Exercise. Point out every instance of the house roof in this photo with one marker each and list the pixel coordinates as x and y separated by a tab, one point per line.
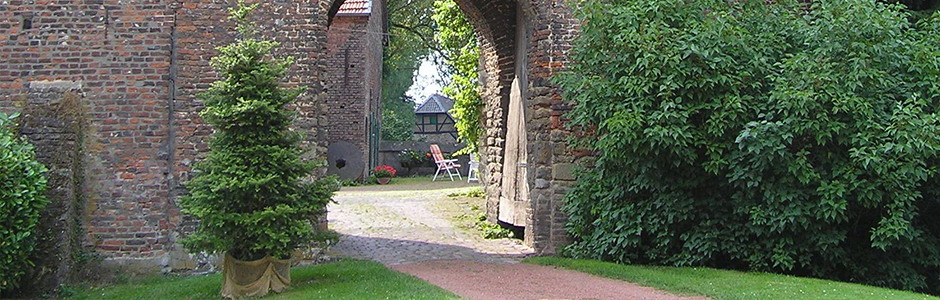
355	8
436	104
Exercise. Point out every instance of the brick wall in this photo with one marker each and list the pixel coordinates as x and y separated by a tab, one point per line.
353	81
119	55
377	29
347	90
551	160
138	66
390	154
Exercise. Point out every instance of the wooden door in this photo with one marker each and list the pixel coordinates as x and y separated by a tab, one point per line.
514	197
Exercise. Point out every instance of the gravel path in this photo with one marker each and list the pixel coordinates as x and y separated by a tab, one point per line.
399	225
411	228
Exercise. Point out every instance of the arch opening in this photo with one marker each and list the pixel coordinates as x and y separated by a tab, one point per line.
509	54
504	29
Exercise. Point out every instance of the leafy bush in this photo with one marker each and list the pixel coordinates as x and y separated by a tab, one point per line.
768	135
490	230
409	43
414	159
398	119
22	199
250	194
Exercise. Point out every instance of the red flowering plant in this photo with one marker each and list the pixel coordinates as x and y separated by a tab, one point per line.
384	172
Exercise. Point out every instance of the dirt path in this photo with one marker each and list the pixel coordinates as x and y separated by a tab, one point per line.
400	224
477	280
411	228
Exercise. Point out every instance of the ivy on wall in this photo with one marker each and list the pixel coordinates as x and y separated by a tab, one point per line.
461	57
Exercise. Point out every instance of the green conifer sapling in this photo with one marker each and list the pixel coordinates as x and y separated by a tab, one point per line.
251	194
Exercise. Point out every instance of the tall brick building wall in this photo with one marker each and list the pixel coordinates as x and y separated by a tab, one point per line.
134	68
353	79
116	58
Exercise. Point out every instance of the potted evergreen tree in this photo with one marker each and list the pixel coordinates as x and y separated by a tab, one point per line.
252	194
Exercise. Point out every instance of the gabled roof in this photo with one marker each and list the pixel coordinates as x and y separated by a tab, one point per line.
436	104
355	8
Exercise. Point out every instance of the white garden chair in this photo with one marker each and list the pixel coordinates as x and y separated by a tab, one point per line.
473	173
448	165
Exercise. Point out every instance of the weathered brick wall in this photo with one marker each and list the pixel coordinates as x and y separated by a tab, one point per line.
353	80
138	65
347	88
375	49
551	160
494	22
119	53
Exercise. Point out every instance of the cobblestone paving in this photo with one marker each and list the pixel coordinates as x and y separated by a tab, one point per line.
403	224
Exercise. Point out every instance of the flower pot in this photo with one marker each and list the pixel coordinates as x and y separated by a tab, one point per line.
243	279
385	180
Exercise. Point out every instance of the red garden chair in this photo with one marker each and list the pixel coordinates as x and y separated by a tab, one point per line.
448	165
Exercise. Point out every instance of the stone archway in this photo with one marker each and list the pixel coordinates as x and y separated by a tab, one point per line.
527	161
527	164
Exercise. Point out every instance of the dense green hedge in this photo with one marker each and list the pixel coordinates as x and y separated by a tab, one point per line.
768	135
22	198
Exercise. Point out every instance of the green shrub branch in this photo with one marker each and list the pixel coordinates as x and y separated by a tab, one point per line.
22	199
772	136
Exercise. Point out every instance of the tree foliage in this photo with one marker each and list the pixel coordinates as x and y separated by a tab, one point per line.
917	5
458	42
772	136
250	193
411	40
22	199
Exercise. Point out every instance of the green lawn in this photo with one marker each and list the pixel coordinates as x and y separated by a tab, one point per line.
416	180
348	279
724	284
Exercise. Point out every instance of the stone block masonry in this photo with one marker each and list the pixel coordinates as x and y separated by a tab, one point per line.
552	30
53	121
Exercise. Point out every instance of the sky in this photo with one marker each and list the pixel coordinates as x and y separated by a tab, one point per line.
427	81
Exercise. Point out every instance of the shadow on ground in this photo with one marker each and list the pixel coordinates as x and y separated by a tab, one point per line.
400	251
